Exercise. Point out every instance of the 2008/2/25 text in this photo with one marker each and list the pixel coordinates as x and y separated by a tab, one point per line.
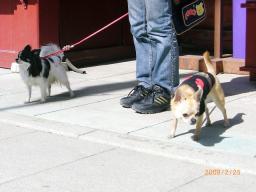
216	172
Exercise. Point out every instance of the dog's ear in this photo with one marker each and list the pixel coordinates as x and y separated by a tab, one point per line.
198	94
27	48
36	51
177	96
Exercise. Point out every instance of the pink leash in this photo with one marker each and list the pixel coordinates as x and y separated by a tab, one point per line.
88	37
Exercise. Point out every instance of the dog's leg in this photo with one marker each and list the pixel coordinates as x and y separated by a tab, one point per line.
63	79
29	93
69	89
49	90
43	90
173	128
199	124
220	103
208	120
219	100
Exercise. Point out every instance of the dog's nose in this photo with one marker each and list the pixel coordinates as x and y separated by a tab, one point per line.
193	121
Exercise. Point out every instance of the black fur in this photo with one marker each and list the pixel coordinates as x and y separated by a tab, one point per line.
36	66
47	67
36	63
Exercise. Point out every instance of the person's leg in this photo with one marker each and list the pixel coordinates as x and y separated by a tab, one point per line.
163	57
137	18
162	35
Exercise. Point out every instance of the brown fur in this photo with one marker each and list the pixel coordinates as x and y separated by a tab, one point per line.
186	102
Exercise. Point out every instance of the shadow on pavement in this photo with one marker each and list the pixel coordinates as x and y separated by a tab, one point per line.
83	92
211	135
238	85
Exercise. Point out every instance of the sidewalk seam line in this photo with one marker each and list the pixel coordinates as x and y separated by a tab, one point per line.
73	107
57	166
19	135
184	184
87	133
149	126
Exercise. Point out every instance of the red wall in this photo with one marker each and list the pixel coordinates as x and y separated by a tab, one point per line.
35	25
17	28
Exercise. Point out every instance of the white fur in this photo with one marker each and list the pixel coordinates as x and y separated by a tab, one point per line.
57	73
15	67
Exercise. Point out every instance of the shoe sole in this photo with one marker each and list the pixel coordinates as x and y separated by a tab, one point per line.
125	106
150	111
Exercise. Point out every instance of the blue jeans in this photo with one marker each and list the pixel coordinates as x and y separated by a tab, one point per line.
157	55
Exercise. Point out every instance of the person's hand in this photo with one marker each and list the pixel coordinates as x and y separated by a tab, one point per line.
67	47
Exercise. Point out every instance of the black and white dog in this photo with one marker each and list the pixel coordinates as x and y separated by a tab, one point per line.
35	70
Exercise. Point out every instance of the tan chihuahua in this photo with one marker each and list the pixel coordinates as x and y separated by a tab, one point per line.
192	95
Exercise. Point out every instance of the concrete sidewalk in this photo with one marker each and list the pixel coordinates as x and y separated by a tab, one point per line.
95	118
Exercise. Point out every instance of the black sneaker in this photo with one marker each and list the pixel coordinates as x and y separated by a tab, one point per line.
135	95
157	101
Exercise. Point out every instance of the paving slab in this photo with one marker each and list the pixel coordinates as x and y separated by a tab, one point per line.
5	71
184	151
108	115
223	183
90	93
8	131
31	153
116	170
177	150
124	170
38	124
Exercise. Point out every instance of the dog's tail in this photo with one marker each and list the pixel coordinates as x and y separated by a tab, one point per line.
208	63
72	67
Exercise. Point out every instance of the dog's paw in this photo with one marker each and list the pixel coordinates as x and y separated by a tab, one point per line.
72	94
208	124
195	137
42	101
226	124
170	136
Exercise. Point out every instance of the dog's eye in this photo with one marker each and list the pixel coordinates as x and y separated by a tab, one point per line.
197	114
185	115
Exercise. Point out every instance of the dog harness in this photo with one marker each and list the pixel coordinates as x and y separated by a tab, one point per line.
205	81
